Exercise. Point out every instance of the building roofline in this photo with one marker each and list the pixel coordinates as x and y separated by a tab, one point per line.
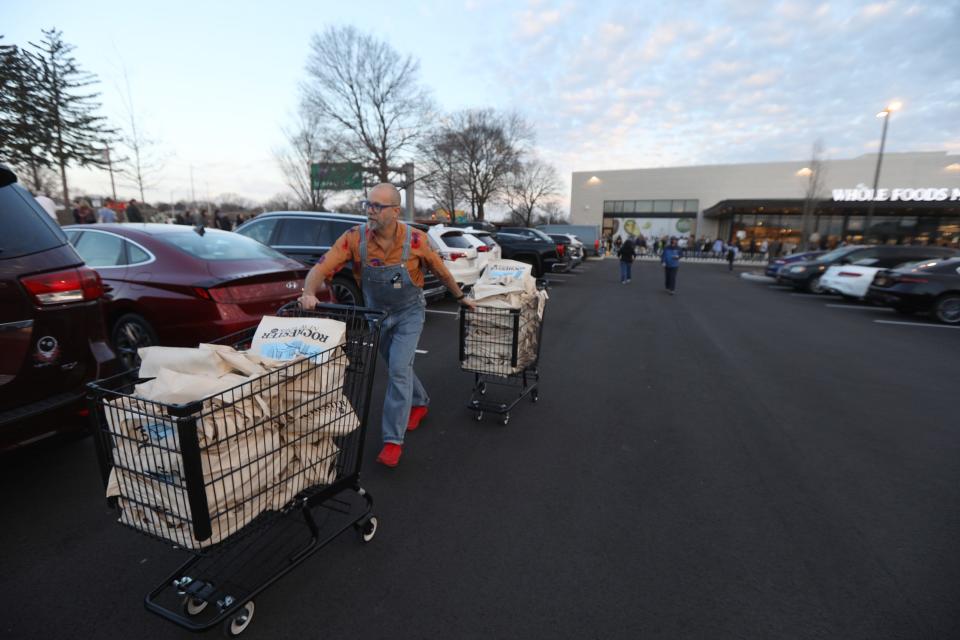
886	155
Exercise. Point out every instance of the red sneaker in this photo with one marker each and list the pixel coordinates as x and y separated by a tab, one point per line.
416	415
390	454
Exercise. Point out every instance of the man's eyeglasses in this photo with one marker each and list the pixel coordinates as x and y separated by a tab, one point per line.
376	206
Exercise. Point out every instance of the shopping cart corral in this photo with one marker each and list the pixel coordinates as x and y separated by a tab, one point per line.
250	481
501	347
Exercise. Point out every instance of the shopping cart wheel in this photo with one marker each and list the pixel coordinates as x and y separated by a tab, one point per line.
479	416
193	606
505	419
239	623
483	388
367	528
535	396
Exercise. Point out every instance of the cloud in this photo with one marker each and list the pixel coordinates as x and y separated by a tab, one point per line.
877	9
761	78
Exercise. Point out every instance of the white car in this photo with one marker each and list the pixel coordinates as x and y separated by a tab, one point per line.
458	253
487	247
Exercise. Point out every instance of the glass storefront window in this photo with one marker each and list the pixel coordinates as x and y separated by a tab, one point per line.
608	206
662	206
628	206
691	206
618	206
677	206
644	206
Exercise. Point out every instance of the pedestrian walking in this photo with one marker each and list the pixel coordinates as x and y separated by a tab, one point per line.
617	244
105	214
765	249
732	251
626	254
388	259
133	212
718	247
671	264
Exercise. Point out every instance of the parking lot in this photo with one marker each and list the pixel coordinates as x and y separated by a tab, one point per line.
735	461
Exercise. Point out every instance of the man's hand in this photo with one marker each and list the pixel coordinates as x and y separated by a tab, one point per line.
470	303
308	301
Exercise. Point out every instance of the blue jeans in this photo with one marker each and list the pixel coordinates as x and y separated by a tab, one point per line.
399	336
624	271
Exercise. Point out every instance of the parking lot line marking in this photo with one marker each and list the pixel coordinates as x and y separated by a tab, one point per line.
449	313
421	351
854	306
917	324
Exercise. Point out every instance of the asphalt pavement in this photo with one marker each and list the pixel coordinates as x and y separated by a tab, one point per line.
730	462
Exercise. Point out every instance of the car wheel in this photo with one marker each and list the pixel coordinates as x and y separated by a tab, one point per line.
130	333
814	286
947	309
347	292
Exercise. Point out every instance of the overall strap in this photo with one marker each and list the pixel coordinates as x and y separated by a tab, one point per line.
406	246
363	245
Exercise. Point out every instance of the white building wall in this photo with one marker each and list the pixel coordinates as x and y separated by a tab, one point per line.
709	184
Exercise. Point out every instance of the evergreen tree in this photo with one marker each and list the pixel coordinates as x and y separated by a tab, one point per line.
24	140
77	134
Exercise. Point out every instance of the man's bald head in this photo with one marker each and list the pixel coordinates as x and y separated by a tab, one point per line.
385	193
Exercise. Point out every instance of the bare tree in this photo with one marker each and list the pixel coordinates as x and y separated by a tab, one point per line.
488	148
553	213
306	144
141	164
530	186
367	96
813	192
438	161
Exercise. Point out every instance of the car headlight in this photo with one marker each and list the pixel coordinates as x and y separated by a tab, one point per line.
798	269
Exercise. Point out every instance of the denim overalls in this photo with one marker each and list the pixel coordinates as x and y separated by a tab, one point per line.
390	289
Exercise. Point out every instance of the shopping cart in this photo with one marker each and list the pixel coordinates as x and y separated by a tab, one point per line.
501	347
251	481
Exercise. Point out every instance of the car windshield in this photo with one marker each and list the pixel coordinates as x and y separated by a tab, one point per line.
455	240
214	245
543	236
836	254
485	238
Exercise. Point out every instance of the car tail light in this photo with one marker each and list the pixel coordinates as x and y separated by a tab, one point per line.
239	294
849	274
483	248
456	255
911	279
62	287
560	250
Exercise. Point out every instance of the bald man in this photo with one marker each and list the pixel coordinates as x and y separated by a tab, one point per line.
388	258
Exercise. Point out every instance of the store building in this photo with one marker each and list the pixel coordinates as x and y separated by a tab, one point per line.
917	201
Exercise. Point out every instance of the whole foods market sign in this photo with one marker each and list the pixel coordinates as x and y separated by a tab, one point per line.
929	194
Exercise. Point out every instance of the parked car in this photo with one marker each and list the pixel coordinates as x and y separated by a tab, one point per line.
179	286
458	252
52	335
305	236
807	274
775	264
933	285
587	234
572	247
487	248
475	224
538	250
853	280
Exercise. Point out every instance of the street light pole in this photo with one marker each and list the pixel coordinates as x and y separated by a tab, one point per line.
885	114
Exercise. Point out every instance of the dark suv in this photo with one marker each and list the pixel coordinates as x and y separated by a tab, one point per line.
306	236
806	274
52	335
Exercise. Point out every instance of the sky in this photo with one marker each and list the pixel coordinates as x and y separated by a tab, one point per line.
606	85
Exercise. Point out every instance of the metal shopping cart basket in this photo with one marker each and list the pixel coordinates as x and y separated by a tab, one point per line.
252	480
501	347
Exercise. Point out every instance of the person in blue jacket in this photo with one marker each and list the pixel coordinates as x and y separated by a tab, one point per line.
670	258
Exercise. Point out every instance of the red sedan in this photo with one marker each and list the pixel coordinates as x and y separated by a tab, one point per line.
176	285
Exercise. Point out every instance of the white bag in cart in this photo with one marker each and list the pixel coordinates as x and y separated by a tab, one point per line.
288	338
